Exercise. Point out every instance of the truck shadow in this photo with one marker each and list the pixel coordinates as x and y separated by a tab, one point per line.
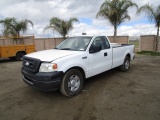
100	78
91	87
3	60
88	83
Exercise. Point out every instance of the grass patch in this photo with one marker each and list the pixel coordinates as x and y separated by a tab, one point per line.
135	43
149	53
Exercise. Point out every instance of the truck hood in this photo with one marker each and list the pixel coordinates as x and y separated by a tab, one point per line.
50	55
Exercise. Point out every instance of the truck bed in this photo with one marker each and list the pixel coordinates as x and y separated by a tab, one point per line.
114	45
119	51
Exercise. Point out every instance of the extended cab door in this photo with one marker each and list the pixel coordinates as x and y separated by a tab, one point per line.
102	60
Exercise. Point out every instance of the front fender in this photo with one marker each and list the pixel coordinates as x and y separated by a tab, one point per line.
69	62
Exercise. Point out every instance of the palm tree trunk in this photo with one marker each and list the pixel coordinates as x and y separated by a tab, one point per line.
157	38
64	37
17	37
115	32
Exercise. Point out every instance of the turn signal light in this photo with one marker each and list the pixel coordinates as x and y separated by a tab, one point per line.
55	67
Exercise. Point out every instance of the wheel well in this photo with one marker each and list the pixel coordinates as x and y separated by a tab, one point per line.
80	69
128	55
20	52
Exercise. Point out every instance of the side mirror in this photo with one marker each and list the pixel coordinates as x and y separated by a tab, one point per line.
95	48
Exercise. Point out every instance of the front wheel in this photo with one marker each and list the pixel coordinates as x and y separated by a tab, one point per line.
72	83
126	64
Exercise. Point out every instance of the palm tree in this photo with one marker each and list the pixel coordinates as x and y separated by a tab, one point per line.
6	24
61	26
20	26
116	12
13	27
153	14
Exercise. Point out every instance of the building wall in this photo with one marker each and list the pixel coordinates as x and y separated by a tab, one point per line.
148	43
49	43
29	41
46	43
159	46
6	41
40	43
119	39
1	42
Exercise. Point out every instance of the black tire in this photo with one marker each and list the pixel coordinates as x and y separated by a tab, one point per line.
72	83
126	64
19	55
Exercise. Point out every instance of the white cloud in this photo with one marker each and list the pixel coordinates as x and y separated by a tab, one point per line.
138	29
40	11
135	30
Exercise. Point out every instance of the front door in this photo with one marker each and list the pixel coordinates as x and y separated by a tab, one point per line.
100	61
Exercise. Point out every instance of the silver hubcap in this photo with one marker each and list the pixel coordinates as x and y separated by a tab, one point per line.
126	64
73	83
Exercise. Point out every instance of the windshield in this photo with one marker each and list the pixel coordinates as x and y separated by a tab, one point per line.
74	43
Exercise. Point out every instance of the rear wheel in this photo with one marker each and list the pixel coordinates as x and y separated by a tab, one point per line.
72	83
126	64
19	55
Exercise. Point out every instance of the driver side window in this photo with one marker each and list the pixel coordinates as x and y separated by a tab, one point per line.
100	41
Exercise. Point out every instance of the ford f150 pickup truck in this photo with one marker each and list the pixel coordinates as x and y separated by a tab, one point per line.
72	61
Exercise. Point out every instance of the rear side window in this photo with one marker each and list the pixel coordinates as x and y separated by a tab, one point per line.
106	41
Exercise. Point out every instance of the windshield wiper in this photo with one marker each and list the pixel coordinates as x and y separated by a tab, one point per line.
66	49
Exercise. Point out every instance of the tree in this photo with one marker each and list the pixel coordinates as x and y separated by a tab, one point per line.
13	27
116	12
61	26
153	14
6	24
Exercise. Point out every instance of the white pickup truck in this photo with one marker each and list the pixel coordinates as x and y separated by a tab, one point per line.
72	61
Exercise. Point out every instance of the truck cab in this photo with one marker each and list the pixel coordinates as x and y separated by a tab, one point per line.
77	58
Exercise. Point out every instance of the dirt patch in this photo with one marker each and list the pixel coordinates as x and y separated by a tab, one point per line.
113	95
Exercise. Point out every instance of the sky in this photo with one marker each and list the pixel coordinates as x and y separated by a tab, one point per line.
41	11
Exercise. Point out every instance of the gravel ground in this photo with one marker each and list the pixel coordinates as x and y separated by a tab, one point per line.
113	95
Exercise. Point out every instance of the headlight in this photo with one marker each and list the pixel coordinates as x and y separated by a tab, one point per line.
48	67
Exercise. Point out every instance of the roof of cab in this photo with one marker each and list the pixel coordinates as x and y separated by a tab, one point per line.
82	36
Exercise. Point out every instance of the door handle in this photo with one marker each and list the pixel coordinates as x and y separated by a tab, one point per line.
105	54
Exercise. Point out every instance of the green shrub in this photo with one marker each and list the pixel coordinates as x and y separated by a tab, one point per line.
149	53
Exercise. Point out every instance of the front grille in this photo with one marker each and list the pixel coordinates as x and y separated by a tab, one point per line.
31	64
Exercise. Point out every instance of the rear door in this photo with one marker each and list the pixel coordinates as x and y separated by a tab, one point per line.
100	61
